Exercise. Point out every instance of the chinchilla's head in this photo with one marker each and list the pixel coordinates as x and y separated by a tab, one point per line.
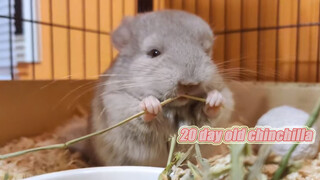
169	53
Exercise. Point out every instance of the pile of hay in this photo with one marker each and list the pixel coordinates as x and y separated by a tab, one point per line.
42	161
220	166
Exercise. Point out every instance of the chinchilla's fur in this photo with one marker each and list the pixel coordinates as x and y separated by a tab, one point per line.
185	42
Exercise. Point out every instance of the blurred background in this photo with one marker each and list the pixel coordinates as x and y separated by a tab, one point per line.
264	40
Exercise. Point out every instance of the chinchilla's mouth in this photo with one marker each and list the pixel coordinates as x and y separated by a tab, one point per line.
180	102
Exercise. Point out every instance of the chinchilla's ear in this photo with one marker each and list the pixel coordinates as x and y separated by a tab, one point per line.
122	35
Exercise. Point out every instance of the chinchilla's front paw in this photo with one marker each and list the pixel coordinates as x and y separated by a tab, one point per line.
151	105
214	102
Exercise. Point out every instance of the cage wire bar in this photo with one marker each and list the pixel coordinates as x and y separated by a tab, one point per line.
225	36
84	50
32	37
10	41
297	44
318	54
52	40
147	5
277	42
69	37
258	41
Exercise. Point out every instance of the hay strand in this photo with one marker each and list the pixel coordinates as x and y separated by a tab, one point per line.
284	162
73	141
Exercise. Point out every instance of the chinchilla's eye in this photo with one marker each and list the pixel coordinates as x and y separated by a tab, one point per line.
154	53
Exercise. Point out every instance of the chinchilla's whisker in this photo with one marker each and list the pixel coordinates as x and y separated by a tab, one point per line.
88	90
75	89
122	88
243	72
72	92
93	83
222	61
100	114
115	75
87	84
129	85
133	85
55	81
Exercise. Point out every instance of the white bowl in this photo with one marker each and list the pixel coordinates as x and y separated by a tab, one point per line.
104	173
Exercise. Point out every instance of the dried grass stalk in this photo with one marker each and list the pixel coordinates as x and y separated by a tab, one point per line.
73	141
284	162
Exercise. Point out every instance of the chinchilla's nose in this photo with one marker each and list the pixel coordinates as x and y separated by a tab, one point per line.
188	87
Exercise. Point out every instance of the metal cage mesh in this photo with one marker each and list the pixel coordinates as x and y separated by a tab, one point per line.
264	40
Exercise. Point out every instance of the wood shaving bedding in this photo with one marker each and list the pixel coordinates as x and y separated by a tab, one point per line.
310	169
43	161
298	170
